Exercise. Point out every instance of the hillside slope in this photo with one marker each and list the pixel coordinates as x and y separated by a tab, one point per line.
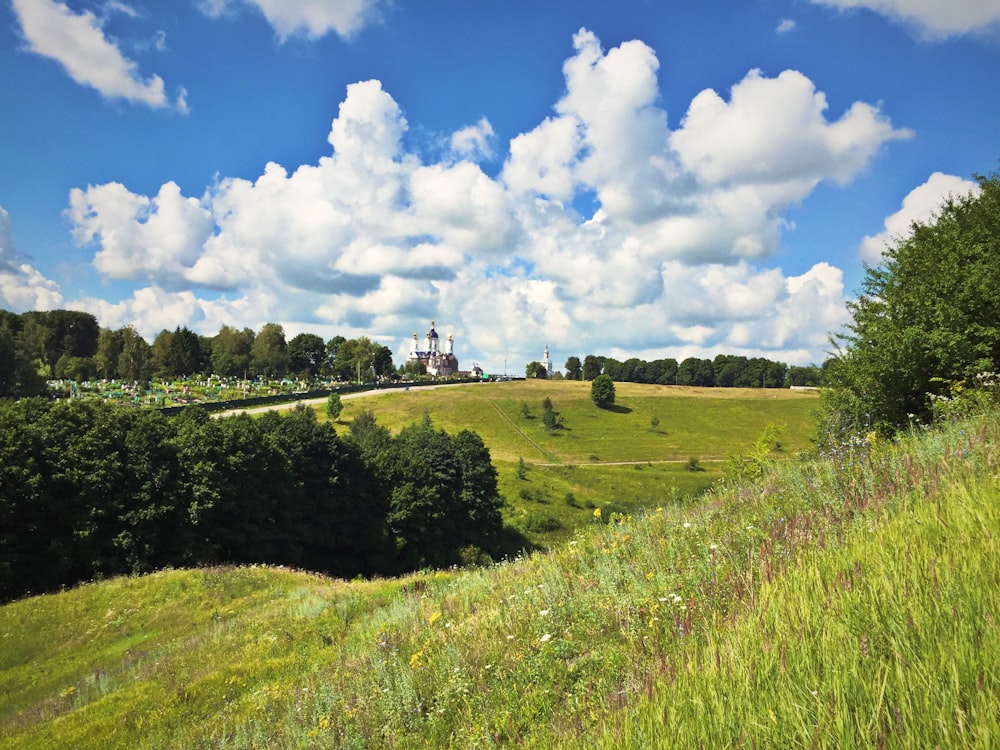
863	586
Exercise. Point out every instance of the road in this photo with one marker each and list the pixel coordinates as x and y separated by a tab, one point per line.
344	397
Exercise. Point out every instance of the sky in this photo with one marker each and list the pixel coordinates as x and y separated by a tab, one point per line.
643	178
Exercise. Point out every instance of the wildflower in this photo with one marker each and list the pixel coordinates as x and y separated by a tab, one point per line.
543	613
546	638
433	618
686	525
650	576
415	659
597	512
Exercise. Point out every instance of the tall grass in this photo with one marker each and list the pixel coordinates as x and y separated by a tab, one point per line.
849	601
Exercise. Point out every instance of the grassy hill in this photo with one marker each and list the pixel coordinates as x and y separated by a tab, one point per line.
614	459
851	601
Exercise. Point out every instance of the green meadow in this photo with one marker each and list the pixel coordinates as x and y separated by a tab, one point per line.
632	456
848	600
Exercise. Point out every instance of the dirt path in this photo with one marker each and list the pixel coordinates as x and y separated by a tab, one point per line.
524	435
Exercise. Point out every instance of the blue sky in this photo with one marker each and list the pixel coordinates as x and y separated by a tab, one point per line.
639	178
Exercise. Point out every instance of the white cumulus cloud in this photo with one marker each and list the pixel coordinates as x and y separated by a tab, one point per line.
605	226
78	43
932	19
22	287
919	206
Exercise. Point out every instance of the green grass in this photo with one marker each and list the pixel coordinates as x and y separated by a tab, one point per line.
845	602
609	458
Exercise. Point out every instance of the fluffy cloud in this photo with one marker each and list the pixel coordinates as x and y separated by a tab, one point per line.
933	19
157	238
919	206
21	286
605	227
474	142
77	42
312	18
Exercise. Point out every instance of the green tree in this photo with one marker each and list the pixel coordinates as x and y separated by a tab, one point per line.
334	406
535	370
592	367
269	352
231	352
694	371
306	355
363	360
602	391
574	370
109	350
927	317
176	353
134	362
18	374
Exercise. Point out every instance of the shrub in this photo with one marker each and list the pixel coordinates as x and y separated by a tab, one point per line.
540	523
602	391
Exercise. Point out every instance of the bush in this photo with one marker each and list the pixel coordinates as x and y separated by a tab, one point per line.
541	523
602	391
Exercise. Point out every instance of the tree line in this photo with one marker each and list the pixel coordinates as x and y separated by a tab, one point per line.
728	371
92	490
66	344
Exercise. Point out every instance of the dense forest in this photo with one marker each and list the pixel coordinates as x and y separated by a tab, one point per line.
90	490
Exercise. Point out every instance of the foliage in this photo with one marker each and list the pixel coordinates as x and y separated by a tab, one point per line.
591	367
231	352
269	352
751	462
602	391
334	406
574	369
927	316
306	355
90	489
535	370
550	417
442	490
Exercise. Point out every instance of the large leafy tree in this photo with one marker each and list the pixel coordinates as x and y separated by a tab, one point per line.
177	353
306	355
592	366
927	317
134	362
269	352
574	369
231	352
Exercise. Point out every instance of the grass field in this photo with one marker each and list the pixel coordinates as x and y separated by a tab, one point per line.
614	459
845	602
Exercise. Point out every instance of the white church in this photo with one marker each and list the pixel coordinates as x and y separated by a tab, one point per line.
436	358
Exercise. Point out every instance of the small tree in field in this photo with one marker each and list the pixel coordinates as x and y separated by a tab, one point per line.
602	391
334	407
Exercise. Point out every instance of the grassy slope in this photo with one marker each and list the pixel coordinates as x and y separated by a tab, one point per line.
705	423
839	604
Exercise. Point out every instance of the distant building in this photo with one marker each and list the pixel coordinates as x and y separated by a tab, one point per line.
546	362
436	359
